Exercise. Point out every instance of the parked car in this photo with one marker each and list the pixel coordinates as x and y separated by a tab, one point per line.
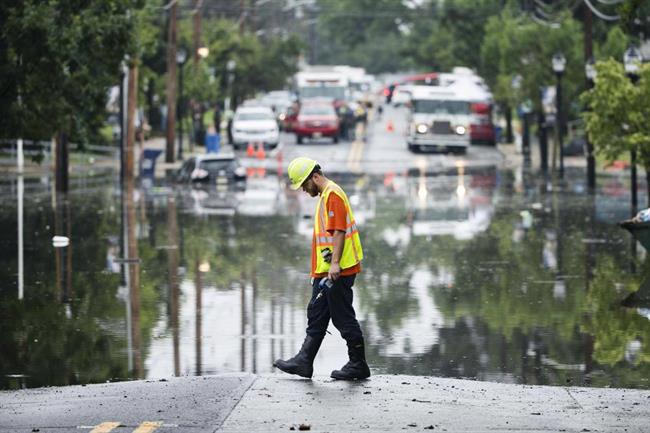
255	124
402	95
212	169
316	119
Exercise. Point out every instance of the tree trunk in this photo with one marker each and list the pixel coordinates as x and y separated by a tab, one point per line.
543	141
633	182
647	184
508	114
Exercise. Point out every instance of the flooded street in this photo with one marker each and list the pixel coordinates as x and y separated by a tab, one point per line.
469	273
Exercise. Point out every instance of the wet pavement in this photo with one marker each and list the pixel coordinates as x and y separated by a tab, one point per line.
196	404
472	270
388	403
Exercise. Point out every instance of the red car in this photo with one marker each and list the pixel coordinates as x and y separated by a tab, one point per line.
316	120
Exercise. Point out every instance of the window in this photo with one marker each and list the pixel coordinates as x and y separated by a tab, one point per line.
437	106
216	165
255	116
318	110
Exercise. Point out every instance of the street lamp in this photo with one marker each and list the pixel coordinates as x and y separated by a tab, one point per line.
590	73
559	64
203	52
631	59
181	57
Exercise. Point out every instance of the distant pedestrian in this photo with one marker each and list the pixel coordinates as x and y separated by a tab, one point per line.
335	261
216	118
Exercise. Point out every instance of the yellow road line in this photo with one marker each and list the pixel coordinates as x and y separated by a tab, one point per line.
105	427
357	164
352	154
148	427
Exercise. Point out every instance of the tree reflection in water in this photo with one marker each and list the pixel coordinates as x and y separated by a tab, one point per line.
471	275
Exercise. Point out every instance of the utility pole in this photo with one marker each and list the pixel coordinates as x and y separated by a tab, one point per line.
197	31
132	97
588	48
171	85
242	16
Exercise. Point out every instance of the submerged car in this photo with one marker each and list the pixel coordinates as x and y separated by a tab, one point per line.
212	169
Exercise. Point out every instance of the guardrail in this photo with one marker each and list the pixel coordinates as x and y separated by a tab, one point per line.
42	147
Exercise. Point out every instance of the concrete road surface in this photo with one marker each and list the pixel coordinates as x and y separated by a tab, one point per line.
247	403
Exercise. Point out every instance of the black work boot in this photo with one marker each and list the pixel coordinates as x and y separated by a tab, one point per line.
303	363
356	368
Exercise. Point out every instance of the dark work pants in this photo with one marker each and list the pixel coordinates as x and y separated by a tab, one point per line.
334	303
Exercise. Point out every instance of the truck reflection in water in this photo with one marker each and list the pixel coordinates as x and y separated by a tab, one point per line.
447	204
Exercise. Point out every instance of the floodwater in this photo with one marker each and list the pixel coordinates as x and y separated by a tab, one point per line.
479	274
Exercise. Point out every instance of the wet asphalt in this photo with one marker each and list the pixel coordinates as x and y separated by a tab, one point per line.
386	403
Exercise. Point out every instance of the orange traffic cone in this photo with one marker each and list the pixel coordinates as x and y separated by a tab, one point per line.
261	172
250	151
261	154
389	126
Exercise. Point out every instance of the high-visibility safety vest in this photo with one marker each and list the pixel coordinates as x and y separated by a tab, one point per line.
352	252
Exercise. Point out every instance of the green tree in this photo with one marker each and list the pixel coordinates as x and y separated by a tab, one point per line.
363	33
515	45
60	57
617	121
450	34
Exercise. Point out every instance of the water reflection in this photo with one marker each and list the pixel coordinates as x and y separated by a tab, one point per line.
468	273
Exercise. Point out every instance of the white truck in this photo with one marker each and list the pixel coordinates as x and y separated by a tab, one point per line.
322	83
438	119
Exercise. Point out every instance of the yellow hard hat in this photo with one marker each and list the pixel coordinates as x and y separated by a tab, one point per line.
299	169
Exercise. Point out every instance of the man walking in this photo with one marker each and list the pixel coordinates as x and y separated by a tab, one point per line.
336	256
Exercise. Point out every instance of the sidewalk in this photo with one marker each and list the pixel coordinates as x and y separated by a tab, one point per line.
514	158
416	403
387	403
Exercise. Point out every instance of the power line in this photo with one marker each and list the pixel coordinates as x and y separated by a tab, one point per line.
601	15
610	2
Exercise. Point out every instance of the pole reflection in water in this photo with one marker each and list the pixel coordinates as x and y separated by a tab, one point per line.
243	323
590	265
21	265
198	282
254	322
63	251
174	289
273	338
133	279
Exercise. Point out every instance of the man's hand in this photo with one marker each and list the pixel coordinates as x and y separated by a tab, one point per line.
337	250
335	272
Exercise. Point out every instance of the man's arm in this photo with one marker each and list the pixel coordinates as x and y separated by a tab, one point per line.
337	251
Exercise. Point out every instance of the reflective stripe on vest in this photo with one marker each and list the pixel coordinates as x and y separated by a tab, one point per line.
352	251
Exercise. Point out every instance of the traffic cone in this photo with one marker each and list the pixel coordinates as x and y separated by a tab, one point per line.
261	154
389	126
261	172
250	151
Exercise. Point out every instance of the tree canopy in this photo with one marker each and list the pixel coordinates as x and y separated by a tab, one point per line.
57	62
